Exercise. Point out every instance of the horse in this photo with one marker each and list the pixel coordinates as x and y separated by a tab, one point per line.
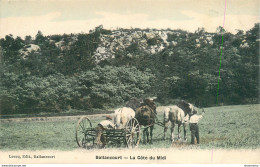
122	116
146	115
177	115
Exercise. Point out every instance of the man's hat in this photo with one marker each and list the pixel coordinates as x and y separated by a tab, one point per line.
109	117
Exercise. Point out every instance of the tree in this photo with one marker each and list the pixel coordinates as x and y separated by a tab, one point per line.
28	39
39	38
10	48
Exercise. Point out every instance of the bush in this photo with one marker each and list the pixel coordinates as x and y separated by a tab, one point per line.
152	41
110	86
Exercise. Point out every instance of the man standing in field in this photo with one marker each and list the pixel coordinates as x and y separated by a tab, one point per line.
194	127
105	124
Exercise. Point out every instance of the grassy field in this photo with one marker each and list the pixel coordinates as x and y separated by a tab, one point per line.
227	127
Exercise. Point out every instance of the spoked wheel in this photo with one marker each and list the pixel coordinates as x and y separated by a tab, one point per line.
133	133
85	134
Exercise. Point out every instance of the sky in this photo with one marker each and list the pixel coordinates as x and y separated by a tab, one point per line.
27	17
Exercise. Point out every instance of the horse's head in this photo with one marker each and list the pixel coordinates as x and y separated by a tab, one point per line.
166	116
191	110
142	111
188	108
144	115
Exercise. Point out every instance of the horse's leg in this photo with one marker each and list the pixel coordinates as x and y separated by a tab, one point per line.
172	131
166	124
144	132
151	133
147	135
179	130
184	130
124	121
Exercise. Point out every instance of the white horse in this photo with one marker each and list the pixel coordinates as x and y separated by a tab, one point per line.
122	116
176	115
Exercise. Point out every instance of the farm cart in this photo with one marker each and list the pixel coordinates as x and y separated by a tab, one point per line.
129	136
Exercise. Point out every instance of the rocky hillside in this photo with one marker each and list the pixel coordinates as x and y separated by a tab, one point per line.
132	41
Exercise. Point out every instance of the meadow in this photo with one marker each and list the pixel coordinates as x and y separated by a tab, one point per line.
224	127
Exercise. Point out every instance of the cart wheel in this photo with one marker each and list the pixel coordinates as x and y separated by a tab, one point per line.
85	135
133	133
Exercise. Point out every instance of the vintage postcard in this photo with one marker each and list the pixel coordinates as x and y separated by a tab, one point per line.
129	82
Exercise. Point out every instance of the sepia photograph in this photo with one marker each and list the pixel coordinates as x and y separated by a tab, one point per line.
129	82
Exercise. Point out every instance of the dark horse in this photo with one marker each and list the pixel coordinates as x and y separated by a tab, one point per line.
146	115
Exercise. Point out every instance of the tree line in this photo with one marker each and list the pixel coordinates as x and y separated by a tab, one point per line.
56	80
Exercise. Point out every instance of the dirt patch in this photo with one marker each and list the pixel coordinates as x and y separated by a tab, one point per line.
180	144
